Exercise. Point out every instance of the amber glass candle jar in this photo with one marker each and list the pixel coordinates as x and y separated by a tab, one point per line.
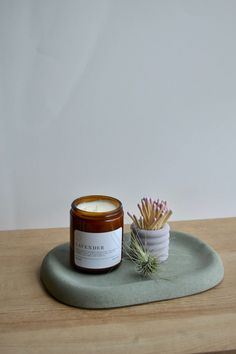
96	233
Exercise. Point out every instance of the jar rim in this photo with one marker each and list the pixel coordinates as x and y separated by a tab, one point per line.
93	197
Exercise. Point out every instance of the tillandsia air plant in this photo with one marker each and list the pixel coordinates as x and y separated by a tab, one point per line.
154	214
145	263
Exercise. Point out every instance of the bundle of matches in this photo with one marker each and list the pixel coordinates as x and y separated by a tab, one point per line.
154	214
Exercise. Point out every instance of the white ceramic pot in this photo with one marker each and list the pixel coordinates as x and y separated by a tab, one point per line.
155	241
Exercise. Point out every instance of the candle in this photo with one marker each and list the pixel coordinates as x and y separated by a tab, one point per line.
96	233
97	206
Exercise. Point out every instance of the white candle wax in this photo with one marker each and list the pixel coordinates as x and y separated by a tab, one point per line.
97	206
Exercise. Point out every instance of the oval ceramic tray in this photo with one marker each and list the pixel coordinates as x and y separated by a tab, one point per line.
192	267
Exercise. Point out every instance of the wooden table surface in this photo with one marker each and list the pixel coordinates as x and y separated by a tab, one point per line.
33	322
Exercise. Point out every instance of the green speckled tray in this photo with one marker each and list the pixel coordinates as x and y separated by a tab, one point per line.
192	267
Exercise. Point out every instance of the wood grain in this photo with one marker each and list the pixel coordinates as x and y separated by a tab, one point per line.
31	321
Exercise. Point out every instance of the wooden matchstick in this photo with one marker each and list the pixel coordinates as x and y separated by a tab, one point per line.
141	211
166	217
131	217
144	208
137	222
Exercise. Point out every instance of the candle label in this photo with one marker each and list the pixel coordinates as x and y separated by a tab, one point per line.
98	250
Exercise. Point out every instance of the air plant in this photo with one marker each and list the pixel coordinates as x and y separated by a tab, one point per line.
154	214
145	263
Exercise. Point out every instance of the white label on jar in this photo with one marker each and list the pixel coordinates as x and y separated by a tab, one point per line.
97	250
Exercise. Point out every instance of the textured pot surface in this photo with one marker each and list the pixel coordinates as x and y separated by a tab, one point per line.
155	241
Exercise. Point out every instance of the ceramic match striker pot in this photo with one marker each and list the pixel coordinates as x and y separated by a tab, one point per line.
155	241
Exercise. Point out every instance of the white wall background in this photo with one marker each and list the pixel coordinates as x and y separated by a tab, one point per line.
126	98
